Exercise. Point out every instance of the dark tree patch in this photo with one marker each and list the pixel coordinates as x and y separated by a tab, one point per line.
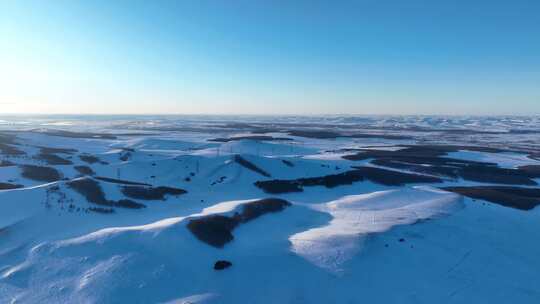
377	175
90	189
39	173
315	134
120	181
447	171
533	171
419	151
150	193
7	139
90	159
125	156
249	165
321	134
52	159
250	137
382	136
514	197
101	210
430	160
49	150
219	180
394	178
487	174
93	193
216	230
10	150
329	181
126	203
6	163
85	170
288	162
8	186
472	171
69	134
277	186
535	156
253	210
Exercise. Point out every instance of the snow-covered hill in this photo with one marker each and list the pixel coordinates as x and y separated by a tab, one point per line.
176	216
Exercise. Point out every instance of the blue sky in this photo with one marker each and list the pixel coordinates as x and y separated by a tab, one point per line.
270	57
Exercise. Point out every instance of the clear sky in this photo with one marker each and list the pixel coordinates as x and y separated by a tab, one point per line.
270	57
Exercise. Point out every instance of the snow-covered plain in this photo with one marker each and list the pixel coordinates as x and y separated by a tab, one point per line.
363	241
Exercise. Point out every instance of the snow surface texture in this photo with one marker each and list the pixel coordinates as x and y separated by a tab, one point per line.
352	243
356	216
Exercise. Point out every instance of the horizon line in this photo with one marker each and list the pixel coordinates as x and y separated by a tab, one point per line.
255	114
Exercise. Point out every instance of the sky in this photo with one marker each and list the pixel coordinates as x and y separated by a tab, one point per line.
270	57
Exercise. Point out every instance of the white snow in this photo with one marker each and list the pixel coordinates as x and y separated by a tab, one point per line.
355	216
194	299
333	245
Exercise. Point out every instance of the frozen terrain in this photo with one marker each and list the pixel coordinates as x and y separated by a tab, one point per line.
209	209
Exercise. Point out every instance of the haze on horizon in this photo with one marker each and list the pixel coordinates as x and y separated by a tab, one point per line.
272	57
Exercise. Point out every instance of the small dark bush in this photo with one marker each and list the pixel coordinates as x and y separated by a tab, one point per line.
125	156
222	264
